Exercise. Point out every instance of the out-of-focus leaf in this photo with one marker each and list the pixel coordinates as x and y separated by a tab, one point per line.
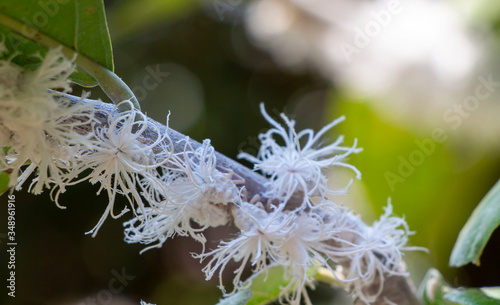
492	292
79	25
266	286
470	297
478	229
421	175
130	16
239	298
482	12
4	182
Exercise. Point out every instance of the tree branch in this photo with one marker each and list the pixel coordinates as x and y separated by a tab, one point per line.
397	289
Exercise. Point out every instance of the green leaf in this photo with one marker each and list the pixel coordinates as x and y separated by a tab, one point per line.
78	25
4	182
239	298
470	297
492	292
478	229
266	286
25	49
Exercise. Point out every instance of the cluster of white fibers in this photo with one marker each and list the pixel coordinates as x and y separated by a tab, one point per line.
196	196
376	254
56	141
182	191
34	121
324	236
119	157
296	166
311	235
261	234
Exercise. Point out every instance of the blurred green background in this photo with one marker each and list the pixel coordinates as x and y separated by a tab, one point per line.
217	76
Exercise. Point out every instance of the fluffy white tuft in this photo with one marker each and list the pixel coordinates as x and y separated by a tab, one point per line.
295	166
119	158
34	126
196	196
